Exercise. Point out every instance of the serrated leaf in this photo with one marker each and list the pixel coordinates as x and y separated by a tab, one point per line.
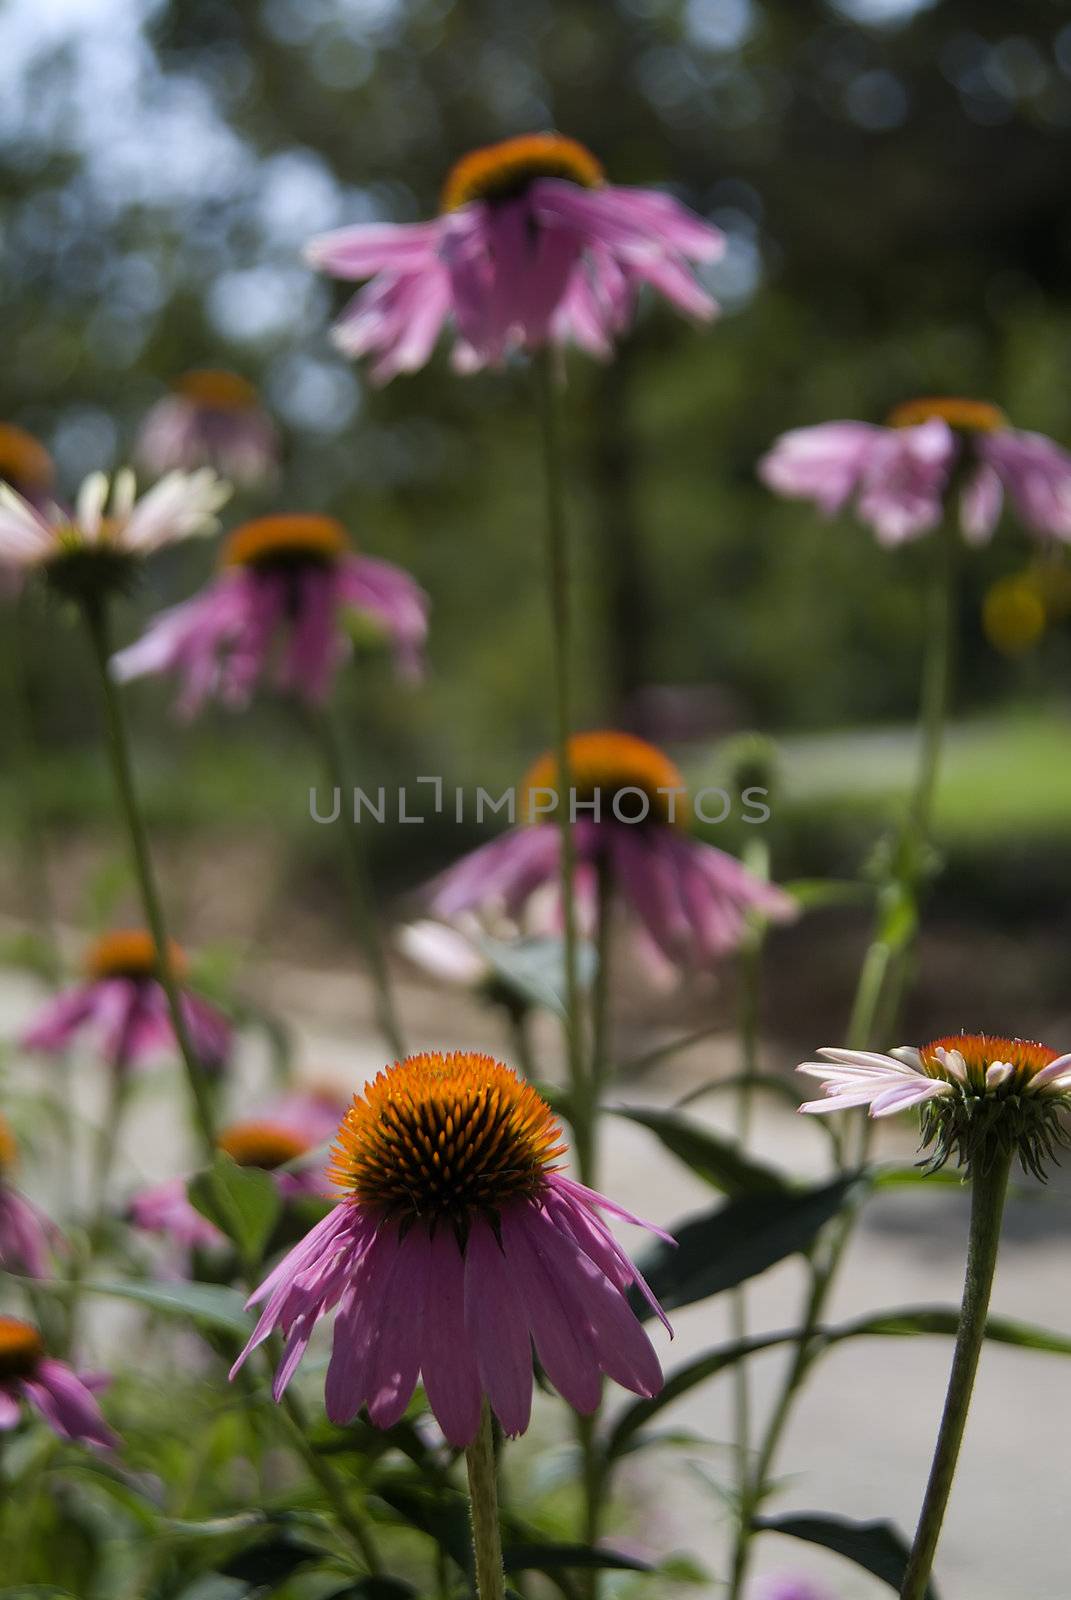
718	1161
242	1202
719	1249
877	1547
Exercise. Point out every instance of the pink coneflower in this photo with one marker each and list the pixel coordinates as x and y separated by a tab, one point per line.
122	1006
213	418
26	1234
281	602
64	1399
898	477
532	246
110	529
458	1244
283	1132
692	899
971	1086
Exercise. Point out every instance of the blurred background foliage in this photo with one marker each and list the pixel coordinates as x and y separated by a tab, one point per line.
892	179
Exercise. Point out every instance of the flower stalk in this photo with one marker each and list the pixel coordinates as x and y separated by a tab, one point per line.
483	1500
879	981
989	1188
362	907
95	614
557	552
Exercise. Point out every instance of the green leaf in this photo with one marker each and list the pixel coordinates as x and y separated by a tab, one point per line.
718	1161
679	1382
945	1320
536	1557
213	1305
534	969
877	1547
812	894
443	1516
737	1241
243	1202
375	1588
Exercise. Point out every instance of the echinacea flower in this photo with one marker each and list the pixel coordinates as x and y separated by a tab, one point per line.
95	548
281	602
692	899
532	246
900	477
973	1088
26	1234
272	1139
64	1399
212	418
25	464
123	1007
457	1244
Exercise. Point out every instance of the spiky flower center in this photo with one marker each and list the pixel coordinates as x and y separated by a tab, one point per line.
619	769
21	1348
444	1136
130	953
965	416
979	1053
9	1150
286	540
216	389
261	1144
24	462
504	171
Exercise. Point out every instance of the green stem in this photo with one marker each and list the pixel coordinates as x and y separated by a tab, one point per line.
483	1499
883	957
557	551
96	619
107	1145
22	751
750	972
989	1189
362	904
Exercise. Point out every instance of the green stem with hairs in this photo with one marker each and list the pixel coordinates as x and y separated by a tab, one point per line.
94	611
989	1190
883	959
748	1027
362	904
483	1501
557	556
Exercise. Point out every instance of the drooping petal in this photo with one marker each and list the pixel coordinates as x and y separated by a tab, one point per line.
498	1328
67	1405
394	1362
824	464
448	1358
562	1340
394	599
621	1346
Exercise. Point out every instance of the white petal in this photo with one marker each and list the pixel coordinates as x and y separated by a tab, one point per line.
909	1055
180	505
894	1100
953	1063
1053	1073
25	535
89	506
124	493
860	1058
998	1072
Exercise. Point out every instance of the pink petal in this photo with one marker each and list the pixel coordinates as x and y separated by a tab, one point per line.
499	1329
